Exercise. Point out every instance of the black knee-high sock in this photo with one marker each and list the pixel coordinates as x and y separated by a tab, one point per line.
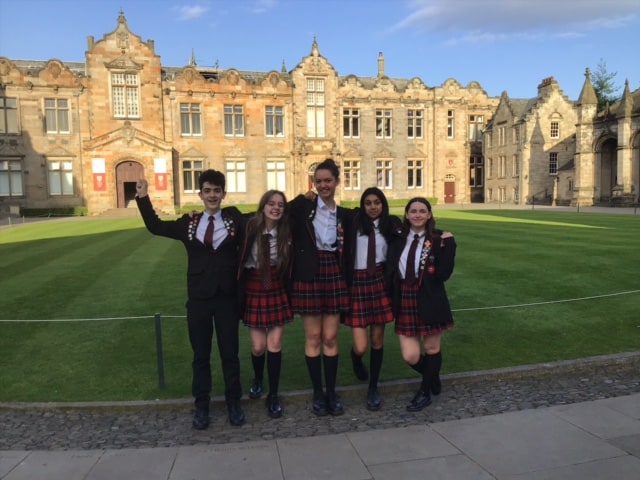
418	367
434	363
274	362
330	372
258	365
314	365
375	364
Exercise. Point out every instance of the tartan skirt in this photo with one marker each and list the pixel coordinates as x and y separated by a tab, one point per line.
408	322
326	293
265	307
370	304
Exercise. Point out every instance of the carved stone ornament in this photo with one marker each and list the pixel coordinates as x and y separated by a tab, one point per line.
128	132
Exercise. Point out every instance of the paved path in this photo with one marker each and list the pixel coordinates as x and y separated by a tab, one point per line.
565	420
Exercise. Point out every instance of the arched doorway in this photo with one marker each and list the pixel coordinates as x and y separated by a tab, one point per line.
127	174
608	169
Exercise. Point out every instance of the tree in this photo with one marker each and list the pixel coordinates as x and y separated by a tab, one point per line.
606	89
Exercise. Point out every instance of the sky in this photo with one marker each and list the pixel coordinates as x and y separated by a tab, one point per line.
505	45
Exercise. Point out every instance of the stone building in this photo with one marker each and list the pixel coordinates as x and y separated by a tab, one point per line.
81	134
551	150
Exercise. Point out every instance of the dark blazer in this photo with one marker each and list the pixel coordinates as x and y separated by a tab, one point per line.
433	303
305	254
207	270
393	230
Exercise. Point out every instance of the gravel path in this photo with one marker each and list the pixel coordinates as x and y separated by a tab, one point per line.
168	423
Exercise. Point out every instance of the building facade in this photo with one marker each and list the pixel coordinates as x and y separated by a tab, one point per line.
554	151
81	134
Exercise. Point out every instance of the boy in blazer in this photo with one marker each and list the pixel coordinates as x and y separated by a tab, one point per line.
212	240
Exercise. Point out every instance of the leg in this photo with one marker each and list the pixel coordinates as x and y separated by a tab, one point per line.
313	331
274	362
258	347
226	321
434	362
411	353
330	325
360	340
200	325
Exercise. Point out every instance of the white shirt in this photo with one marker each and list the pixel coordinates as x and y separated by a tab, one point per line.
405	253
362	246
325	222
219	230
252	258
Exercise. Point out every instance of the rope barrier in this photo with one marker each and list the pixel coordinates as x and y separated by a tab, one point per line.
496	307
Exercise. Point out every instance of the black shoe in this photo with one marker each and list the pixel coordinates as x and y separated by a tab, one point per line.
236	415
419	401
256	389
436	386
373	399
274	409
201	418
334	405
319	405
358	367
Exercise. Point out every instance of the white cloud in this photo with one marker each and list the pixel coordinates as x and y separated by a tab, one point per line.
189	12
469	21
263	6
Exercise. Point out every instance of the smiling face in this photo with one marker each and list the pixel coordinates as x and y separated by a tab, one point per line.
274	208
417	214
212	196
372	206
325	184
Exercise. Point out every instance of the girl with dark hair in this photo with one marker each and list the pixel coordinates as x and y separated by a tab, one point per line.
263	276
417	267
319	292
366	241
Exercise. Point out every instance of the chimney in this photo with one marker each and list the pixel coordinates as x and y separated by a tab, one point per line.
380	65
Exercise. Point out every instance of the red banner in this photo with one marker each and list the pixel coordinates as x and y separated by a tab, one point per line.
161	181
99	182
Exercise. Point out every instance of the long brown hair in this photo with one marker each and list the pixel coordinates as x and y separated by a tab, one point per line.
284	235
431	223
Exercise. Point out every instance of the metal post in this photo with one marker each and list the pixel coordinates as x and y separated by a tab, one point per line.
159	352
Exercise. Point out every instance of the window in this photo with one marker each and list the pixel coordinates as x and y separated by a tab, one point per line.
191	170
276	175
502	135
515	167
8	115
450	125
383	123
60	177
502	192
414	121
125	95
490	168
10	178
234	120
516	195
351	122
502	166
476	169
414	173
490	194
383	173
315	107
274	121
553	163
351	174
516	134
190	119
236	177
56	115
555	130
476	125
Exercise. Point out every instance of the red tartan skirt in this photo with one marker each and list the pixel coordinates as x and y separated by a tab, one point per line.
370	304
265	308
407	321
326	293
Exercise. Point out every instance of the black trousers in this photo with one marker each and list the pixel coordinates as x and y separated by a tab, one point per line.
221	312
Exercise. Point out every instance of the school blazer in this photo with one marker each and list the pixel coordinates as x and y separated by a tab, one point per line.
208	271
433	303
305	254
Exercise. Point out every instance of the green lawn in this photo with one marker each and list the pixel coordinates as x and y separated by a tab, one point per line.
529	287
